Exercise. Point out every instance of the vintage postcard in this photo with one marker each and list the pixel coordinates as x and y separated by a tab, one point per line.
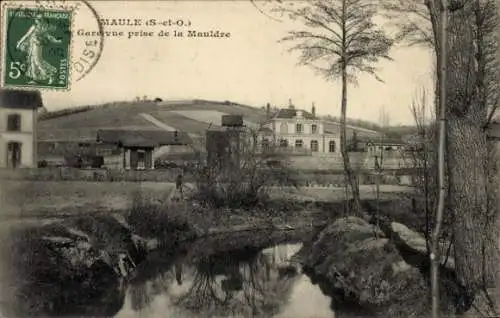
250	158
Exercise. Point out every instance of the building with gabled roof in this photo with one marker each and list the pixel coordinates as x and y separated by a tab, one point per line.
18	127
300	131
137	147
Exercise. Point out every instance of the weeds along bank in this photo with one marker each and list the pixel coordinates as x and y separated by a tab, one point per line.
110	245
303	177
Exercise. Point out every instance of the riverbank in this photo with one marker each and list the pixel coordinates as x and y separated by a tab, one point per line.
94	241
69	198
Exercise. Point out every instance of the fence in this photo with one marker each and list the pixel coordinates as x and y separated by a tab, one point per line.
107	175
305	178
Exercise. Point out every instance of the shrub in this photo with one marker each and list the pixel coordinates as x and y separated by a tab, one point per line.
158	218
240	174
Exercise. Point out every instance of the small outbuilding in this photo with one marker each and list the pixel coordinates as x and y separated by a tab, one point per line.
137	146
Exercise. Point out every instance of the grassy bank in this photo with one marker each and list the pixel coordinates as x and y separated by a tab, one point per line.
65	198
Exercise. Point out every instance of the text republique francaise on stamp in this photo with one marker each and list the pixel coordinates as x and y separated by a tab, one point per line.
36	47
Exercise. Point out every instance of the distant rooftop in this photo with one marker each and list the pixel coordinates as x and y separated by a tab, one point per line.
143	138
289	113
20	99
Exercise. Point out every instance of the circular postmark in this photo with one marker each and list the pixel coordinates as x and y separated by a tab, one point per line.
41	48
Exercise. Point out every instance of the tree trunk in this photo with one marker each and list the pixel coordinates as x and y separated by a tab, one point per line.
349	173
474	231
435	253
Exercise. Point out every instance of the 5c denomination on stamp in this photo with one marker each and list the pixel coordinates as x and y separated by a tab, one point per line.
37	47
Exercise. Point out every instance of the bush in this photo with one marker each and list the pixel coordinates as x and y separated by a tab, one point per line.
239	173
150	217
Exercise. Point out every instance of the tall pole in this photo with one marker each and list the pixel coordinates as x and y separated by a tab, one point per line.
435	257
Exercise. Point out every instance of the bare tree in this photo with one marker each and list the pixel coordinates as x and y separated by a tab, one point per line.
471	88
339	40
421	159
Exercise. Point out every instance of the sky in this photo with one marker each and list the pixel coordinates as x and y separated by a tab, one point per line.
249	67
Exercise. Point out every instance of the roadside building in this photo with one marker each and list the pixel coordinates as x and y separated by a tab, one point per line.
137	147
18	122
300	131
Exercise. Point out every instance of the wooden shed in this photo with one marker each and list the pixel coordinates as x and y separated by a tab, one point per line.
137	146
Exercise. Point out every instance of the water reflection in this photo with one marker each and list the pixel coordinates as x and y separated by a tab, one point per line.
239	283
245	282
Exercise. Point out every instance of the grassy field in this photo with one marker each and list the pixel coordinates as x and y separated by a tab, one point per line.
24	198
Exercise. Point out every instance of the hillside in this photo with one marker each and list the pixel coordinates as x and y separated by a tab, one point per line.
191	116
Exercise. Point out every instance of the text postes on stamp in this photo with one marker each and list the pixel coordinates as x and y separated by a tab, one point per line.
37	48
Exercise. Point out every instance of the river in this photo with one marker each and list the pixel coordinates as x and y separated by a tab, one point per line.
238	283
223	278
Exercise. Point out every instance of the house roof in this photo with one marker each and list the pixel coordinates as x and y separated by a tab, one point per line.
288	113
143	138
20	99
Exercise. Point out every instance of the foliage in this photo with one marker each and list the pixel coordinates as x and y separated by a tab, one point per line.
470	82
241	172
150	217
336	33
423	160
64	112
339	40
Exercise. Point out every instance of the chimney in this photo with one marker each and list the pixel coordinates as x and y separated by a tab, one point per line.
313	109
290	105
268	110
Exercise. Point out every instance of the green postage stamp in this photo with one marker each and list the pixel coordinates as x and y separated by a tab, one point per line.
36	48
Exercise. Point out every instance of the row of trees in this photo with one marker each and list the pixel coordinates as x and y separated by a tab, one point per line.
340	40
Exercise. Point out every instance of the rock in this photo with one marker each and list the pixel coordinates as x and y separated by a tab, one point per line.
415	242
92	254
86	242
363	266
412	238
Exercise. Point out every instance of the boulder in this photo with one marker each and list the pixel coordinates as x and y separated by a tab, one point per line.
414	243
364	269
77	246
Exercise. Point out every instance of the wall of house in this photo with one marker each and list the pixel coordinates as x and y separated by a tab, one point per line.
323	141
132	159
26	136
285	129
289	126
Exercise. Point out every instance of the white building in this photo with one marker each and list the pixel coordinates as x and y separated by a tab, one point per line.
301	131
18	120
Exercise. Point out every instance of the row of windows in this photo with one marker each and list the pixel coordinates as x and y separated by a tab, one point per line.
13	122
299	143
299	128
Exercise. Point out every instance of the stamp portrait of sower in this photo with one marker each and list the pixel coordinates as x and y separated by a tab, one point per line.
37	48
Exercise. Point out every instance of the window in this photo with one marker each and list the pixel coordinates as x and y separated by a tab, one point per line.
331	146
314	129
314	145
14	122
283	143
299	128
284	128
298	143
